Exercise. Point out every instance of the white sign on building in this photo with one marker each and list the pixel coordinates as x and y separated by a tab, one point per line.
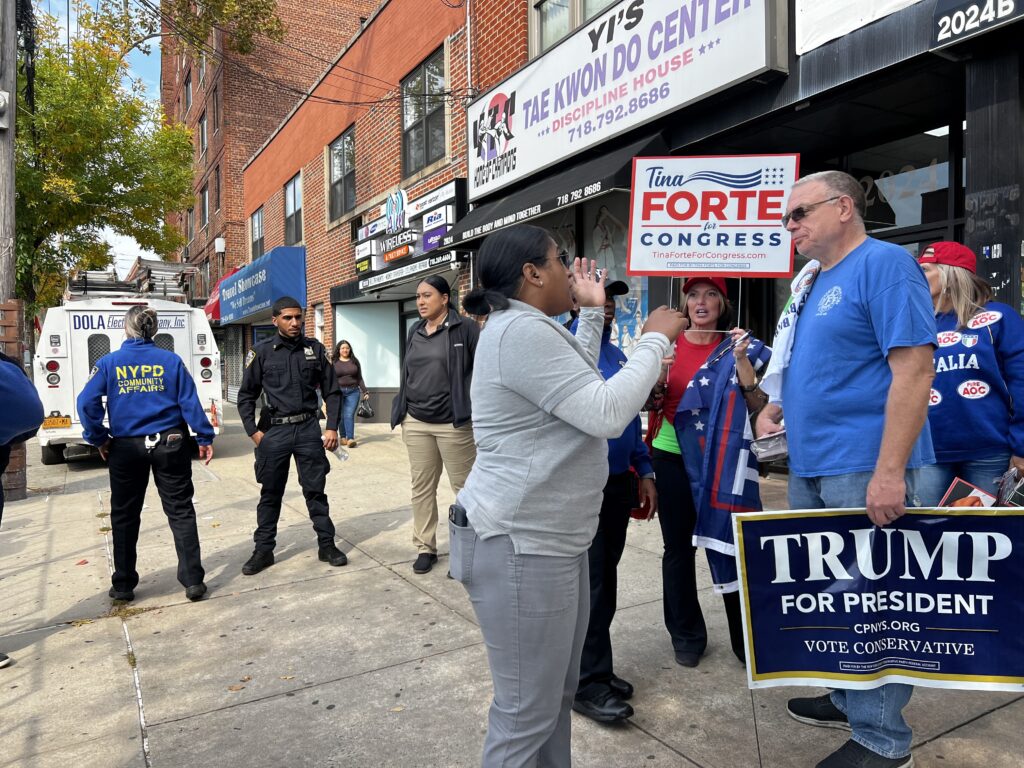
632	64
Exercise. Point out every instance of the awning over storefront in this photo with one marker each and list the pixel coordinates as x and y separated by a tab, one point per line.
248	294
585	181
212	306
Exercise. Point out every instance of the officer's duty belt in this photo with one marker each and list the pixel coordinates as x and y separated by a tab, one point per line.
296	419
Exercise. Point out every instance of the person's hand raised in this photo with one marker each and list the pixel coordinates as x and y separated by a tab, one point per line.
587	288
670	322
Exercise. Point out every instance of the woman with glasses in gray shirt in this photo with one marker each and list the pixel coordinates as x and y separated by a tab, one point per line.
542	415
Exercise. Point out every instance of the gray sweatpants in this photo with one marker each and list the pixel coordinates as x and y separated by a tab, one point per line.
533	612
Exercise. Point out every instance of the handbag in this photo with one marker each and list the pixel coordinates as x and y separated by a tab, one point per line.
365	410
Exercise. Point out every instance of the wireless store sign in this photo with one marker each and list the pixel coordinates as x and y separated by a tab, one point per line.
718	214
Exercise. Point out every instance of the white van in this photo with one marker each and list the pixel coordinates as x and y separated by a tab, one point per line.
79	333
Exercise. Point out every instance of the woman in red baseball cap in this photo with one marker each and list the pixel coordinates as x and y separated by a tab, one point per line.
976	414
702	472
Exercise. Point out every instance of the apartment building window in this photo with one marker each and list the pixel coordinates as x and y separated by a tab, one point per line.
202	68
215	109
552	20
293	210
423	119
343	174
216	188
204	206
256	233
188	92
201	127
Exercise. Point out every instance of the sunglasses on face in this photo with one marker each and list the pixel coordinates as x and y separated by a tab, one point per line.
800	213
565	258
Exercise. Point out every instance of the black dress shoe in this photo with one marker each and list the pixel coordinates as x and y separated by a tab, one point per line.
605	707
331	554
621	688
195	592
125	595
258	562
424	562
687	658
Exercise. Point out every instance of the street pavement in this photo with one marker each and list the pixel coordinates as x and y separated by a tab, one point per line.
365	665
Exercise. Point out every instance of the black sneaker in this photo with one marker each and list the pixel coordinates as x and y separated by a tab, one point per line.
853	755
818	711
257	562
331	554
124	595
424	562
195	592
4	660
621	688
605	707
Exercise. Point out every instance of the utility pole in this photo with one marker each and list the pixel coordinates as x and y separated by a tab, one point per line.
8	89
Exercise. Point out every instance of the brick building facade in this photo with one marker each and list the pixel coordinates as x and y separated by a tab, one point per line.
382	62
243	99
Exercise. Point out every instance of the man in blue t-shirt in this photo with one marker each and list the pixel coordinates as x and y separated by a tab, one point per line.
855	395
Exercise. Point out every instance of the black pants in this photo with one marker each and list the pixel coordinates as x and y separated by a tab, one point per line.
678	516
604	555
273	456
171	463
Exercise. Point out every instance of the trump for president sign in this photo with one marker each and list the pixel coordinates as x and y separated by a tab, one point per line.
933	599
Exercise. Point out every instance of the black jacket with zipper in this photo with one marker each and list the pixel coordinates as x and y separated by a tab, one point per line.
463	333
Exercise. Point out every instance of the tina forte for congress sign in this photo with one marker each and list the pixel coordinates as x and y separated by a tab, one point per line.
720	214
934	599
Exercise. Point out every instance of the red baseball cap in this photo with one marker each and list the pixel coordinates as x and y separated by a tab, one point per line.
952	254
718	282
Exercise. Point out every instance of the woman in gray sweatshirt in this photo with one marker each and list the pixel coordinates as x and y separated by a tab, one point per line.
542	415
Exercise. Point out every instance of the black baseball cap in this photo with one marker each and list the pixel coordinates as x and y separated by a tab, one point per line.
616	288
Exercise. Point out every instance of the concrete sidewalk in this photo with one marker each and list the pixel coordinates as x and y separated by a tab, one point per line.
366	665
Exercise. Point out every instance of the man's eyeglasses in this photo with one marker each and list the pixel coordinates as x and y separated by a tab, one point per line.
801	212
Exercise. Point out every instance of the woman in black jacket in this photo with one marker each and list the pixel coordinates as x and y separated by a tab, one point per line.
433	408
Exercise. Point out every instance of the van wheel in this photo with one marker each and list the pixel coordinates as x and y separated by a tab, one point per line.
52	454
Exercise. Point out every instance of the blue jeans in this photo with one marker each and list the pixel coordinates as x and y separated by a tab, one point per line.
876	715
349	402
984	473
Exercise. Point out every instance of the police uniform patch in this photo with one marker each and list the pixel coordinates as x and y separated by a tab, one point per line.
250	357
94	371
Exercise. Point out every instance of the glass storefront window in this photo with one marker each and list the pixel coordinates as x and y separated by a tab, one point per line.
906	181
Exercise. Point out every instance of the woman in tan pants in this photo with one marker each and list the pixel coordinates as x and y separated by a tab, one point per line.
433	408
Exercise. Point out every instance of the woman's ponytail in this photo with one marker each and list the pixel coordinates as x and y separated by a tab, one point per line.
482	301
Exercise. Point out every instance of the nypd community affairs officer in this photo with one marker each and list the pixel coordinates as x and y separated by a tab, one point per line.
288	369
151	397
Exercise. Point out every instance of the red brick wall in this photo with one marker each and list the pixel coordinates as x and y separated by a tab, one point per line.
500	48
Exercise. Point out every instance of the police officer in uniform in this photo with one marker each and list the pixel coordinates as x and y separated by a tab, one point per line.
289	368
151	398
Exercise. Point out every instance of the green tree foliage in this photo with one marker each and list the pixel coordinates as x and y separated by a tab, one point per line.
93	153
244	20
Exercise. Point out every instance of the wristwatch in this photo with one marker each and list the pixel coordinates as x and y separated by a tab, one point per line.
751	388
649	476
